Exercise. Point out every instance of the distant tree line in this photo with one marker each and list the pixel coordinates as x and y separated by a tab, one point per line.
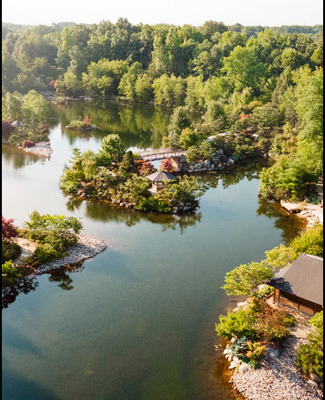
267	81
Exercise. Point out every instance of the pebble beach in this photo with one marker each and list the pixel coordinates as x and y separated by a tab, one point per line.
278	378
87	247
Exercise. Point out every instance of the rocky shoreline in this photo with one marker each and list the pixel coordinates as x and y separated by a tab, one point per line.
42	149
277	378
87	247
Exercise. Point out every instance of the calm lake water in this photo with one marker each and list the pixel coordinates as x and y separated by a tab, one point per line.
137	321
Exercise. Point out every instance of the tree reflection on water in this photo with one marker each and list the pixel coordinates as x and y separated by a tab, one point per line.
62	275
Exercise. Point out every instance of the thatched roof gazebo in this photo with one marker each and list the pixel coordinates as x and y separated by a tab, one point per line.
158	179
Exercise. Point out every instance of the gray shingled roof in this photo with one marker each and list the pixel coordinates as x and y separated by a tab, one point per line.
303	278
160	176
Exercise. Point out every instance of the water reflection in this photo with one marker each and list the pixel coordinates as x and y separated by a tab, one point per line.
138	125
289	225
18	158
62	275
105	212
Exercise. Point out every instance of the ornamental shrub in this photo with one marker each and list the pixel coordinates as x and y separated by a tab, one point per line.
10	251
310	355
237	323
10	271
54	234
9	231
255	353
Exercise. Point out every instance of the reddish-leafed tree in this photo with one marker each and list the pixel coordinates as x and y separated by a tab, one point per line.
167	165
8	230
27	143
86	121
6	127
145	168
52	84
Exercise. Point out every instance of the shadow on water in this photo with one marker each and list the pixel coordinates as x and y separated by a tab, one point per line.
18	158
289	225
19	342
15	387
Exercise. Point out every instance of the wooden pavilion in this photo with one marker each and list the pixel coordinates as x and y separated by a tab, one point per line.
158	178
300	285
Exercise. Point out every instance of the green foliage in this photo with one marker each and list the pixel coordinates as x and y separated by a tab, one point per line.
311	242
239	323
255	353
10	271
189	138
112	150
317	320
187	190
286	179
279	257
310	355
10	250
54	234
244	280
169	91
103	78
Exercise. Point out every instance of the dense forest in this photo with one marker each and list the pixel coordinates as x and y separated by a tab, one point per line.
252	79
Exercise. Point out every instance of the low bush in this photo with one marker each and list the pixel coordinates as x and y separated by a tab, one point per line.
27	143
10	251
310	355
237	323
10	271
54	234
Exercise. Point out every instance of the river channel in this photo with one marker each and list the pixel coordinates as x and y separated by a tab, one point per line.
137	321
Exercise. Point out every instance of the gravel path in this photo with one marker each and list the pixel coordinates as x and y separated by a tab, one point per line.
87	247
277	378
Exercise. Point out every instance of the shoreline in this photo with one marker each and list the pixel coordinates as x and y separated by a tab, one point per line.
42	149
87	247
278	376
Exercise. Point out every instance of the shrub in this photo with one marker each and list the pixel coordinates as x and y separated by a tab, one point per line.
239	348
55	234
10	271
9	232
27	143
271	324
317	320
255	353
10	251
167	165
310	355
86	122
237	323
76	124
245	279
6	128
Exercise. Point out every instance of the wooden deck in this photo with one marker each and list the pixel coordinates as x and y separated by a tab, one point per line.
160	154
291	207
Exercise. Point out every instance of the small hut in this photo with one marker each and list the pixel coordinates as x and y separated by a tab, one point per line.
158	178
300	285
